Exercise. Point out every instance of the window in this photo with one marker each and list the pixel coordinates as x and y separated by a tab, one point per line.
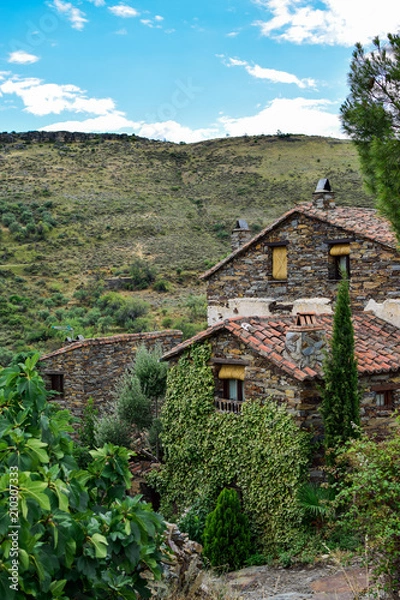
279	262
384	398
57	383
339	260
233	389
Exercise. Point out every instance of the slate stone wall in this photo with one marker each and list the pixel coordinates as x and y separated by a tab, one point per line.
264	381
91	368
375	269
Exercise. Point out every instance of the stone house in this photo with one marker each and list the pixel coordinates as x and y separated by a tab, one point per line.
270	310
90	368
299	257
280	358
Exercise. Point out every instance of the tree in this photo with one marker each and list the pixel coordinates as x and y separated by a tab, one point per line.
226	534
137	394
340	406
371	116
66	532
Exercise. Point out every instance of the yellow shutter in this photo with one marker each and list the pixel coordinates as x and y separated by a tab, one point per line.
231	372
279	262
340	250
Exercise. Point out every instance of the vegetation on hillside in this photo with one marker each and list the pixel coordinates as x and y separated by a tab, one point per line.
78	211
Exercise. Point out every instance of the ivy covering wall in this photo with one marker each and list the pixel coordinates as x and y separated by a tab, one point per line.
260	451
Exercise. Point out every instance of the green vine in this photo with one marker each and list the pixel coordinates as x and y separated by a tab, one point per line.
261	451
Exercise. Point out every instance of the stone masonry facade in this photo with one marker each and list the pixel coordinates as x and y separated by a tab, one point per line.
375	267
91	368
264	381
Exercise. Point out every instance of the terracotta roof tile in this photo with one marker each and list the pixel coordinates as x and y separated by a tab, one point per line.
377	343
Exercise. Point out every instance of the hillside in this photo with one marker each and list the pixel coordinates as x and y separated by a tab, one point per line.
77	209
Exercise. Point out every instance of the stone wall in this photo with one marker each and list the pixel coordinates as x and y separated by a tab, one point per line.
90	368
264	381
375	269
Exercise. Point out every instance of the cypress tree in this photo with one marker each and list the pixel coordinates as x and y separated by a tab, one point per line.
226	534
340	395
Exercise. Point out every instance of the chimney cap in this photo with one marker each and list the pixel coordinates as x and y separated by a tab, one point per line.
241	224
323	185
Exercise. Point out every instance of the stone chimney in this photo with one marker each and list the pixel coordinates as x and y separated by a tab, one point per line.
324	197
240	235
305	341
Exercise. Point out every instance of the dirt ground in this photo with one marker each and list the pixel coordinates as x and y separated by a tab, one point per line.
320	582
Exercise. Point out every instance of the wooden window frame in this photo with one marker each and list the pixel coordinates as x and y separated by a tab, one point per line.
339	266
387	398
335	263
239	384
57	383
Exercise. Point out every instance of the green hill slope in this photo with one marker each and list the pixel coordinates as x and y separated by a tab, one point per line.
77	209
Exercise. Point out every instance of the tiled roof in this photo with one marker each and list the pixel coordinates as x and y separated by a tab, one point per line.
113	339
377	343
364	222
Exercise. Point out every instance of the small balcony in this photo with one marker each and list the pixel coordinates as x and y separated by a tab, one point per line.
223	405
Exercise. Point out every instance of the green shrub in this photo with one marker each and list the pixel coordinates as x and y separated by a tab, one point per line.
110	430
197	306
130	310
151	372
226	533
161	285
132	406
142	274
6	356
368	500
193	521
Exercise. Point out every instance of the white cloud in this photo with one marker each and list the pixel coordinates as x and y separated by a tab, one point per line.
118	123
113	122
98	2
175	132
342	22
20	57
297	115
73	14
123	10
42	99
122	31
158	18
271	74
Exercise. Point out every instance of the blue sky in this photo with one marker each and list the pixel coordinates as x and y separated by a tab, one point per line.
182	71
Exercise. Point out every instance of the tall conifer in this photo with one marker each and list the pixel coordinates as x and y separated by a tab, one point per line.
341	397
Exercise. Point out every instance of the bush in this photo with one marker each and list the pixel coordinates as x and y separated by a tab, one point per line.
193	521
111	430
197	306
368	502
132	406
5	356
130	310
142	274
226	533
161	285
